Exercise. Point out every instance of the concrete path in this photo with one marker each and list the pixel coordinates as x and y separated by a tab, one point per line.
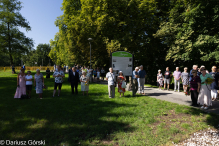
177	97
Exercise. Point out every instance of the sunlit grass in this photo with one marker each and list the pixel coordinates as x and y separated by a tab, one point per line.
95	119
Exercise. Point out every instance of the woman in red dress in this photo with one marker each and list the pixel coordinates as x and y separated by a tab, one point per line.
120	79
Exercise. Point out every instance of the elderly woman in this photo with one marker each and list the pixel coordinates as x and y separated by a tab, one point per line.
177	76
39	83
160	79
204	97
84	82
185	79
195	84
121	79
21	84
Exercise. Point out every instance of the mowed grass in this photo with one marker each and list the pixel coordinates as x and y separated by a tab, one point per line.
95	119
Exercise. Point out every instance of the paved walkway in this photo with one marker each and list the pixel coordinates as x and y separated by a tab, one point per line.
177	97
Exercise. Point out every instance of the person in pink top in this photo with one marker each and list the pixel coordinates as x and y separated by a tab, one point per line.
21	85
177	76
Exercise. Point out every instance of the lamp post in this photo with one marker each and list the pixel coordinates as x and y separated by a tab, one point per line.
90	39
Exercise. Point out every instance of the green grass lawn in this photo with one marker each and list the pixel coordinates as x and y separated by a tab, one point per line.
95	119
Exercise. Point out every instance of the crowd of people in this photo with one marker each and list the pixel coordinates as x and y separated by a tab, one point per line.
77	74
203	85
195	82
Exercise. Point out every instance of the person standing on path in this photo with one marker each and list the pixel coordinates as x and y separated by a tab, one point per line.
74	80
167	76
110	77
39	83
214	85
195	67
177	76
195	85
142	76
59	74
160	79
135	77
185	79
204	97
21	85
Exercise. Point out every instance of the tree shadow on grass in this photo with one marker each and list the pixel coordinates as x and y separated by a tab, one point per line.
62	120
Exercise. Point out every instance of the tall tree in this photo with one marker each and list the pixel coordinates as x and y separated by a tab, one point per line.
40	55
12	40
191	31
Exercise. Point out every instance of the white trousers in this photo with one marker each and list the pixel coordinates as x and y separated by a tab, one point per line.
213	93
176	82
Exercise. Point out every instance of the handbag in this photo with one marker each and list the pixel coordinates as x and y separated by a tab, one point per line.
123	84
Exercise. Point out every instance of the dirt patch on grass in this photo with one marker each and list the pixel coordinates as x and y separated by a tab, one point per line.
177	125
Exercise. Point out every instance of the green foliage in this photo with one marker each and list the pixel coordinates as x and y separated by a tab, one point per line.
38	55
191	31
12	41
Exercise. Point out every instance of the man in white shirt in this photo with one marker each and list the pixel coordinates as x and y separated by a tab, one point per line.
110	77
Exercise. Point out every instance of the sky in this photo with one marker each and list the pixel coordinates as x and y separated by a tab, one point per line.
41	15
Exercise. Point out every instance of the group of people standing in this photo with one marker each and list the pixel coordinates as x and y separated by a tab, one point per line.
202	93
139	76
25	82
76	75
111	78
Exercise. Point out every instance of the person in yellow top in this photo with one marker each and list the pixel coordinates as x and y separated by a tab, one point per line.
204	97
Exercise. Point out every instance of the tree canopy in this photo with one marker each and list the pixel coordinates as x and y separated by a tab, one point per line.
12	41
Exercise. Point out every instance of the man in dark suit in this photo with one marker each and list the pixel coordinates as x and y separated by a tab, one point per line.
74	80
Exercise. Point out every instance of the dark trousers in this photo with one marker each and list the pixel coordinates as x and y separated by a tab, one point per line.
74	86
194	96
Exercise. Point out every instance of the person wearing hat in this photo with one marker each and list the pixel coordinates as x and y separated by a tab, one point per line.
120	80
160	79
39	83
135	77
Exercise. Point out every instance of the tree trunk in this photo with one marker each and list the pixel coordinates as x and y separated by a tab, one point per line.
9	45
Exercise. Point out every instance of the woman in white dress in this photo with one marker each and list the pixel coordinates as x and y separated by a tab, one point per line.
84	82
